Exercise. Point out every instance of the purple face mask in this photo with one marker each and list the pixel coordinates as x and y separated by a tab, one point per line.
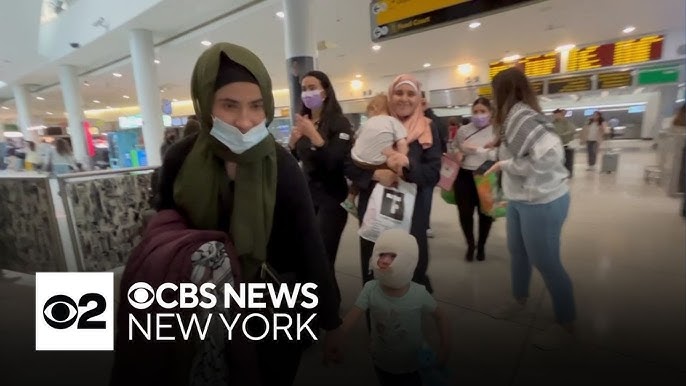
481	120
312	99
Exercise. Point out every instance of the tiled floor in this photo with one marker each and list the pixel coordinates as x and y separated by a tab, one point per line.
623	246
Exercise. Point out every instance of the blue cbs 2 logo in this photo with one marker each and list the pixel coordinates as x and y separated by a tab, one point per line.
61	312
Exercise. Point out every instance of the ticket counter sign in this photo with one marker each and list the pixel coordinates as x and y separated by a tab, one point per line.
393	18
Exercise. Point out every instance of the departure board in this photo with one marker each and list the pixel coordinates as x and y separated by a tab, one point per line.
615	79
537	86
620	53
533	66
569	84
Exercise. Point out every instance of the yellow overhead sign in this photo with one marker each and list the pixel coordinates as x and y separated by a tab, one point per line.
389	11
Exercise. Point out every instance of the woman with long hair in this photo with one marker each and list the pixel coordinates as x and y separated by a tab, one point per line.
60	158
593	135
470	143
322	139
534	181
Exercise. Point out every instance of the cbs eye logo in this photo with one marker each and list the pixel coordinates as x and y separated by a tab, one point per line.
141	295
61	312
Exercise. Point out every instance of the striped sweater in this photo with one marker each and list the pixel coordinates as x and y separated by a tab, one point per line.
533	167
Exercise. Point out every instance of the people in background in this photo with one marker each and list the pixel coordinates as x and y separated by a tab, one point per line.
61	158
470	145
3	147
396	306
232	177
192	127
453	126
424	156
322	139
592	135
169	139
534	181
33	160
565	129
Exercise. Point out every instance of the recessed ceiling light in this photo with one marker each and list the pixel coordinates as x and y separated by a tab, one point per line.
280	14
512	58
96	101
86	83
4	108
465	69
162	91
629	29
427	65
157	61
116	75
125	97
474	25
40	98
358	76
565	47
206	43
49	113
376	47
356	84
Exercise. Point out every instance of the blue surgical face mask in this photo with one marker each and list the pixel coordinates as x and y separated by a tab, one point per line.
236	141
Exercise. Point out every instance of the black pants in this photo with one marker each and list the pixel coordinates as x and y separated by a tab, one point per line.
569	160
592	147
467	199
278	362
331	218
388	379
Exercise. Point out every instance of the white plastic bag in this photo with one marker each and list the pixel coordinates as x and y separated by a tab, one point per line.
388	208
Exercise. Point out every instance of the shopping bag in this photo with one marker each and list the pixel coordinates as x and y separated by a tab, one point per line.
388	208
449	169
448	196
490	195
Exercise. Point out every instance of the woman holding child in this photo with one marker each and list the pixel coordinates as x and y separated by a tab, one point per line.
421	165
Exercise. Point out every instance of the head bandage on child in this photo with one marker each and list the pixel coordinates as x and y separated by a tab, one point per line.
400	272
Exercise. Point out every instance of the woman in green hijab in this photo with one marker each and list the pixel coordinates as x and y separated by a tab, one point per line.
233	177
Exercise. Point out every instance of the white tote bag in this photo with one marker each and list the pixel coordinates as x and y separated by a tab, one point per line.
388	208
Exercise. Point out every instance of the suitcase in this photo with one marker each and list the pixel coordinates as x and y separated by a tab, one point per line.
610	162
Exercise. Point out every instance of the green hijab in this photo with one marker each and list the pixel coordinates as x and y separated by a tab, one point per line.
203	179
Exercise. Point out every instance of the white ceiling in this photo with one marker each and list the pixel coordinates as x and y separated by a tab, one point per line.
535	28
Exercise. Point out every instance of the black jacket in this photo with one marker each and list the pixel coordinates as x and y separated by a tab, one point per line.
325	166
295	244
443	132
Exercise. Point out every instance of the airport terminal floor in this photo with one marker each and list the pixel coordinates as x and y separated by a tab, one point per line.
622	244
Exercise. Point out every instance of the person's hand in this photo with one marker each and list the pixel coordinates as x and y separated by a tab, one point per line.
296	134
387	178
332	346
305	126
469	148
495	168
397	162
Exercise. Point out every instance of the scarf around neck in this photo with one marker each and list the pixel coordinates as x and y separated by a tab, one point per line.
203	179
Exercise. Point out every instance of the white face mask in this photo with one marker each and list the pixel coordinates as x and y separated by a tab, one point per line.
238	142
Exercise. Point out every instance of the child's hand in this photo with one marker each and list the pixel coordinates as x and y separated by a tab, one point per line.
397	161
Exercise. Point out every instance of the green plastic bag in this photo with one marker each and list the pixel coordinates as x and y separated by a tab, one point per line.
448	196
491	198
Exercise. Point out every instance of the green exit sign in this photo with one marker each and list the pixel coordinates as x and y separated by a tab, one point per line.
658	75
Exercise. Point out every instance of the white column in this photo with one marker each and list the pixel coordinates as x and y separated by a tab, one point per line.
301	47
21	101
145	75
73	104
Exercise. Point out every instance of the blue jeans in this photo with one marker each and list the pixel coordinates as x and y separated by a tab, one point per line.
592	148
533	238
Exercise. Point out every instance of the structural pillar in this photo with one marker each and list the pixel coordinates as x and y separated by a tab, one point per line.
21	102
301	48
72	102
145	75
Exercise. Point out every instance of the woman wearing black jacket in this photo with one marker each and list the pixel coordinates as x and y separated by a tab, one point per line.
423	169
233	177
322	139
